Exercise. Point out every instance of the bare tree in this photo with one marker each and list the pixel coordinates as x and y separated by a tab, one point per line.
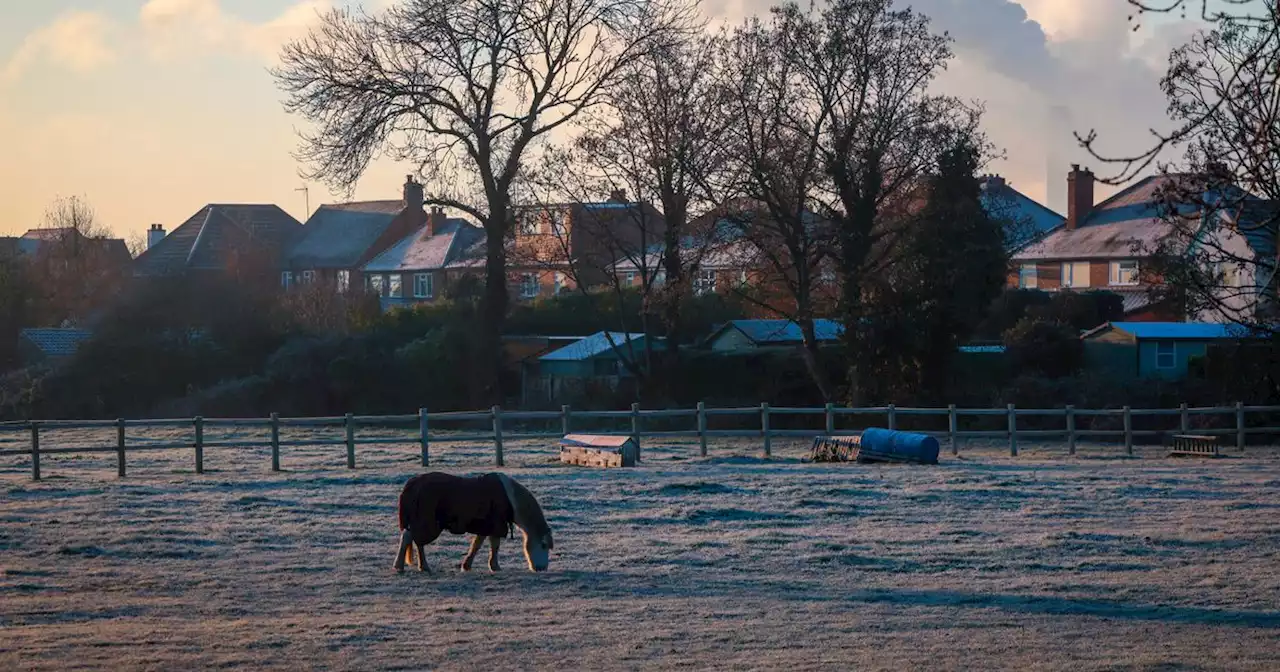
837	121
77	267
467	89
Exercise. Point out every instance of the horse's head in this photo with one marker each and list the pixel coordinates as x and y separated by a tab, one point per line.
537	550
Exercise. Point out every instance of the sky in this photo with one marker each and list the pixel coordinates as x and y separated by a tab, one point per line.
149	109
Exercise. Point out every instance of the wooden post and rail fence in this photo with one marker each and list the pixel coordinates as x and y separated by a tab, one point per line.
764	413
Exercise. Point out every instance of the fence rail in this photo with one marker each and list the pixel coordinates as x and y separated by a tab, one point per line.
423	421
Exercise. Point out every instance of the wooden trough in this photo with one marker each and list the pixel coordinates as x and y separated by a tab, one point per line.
596	450
1195	445
876	445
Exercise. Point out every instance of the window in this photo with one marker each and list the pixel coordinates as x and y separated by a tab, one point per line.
375	284
423	285
1027	278
1165	354
344	281
286	279
559	280
528	224
1124	273
396	291
659	278
827	274
704	282
528	285
631	279
308	277
560	226
1075	274
742	278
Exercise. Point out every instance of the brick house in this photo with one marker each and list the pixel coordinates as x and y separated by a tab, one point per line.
338	240
246	241
420	267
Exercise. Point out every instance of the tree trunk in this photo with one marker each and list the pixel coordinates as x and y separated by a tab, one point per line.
493	315
809	352
674	270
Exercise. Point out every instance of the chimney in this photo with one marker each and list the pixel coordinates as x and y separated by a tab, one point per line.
412	193
992	182
1079	196
436	222
154	235
618	196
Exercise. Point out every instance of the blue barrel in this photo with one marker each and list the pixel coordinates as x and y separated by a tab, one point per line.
907	446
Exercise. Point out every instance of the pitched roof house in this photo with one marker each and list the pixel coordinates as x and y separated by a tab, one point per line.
231	238
339	239
746	335
420	266
1025	218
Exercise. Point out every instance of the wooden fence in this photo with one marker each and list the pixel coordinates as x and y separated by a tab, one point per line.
1007	418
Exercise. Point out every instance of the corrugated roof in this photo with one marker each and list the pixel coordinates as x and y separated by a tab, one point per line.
595	344
213	233
453	245
57	342
774	332
338	236
1178	330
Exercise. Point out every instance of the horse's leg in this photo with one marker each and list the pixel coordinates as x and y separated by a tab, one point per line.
429	535
405	553
494	543
476	542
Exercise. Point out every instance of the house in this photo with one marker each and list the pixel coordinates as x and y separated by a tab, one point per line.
750	335
50	345
1152	349
245	241
1025	219
420	267
67	242
339	239
1107	245
558	245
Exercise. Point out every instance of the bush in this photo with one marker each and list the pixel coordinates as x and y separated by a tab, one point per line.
1047	348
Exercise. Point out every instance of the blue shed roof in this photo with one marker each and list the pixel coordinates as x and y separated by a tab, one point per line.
56	342
1178	330
595	344
785	331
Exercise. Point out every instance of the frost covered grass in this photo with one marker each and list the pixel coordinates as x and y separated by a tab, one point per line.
726	562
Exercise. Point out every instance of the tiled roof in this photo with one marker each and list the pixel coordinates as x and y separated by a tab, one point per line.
1174	330
114	249
1026	218
595	344
56	342
338	236
453	246
204	241
776	332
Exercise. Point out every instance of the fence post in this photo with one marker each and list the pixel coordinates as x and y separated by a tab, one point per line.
635	427
951	428
830	411
350	424
1184	423
120	447
424	437
565	412
702	429
498	458
1128	431
199	423
35	450
1071	430
1013	431
275	442
893	417
1240	426
764	429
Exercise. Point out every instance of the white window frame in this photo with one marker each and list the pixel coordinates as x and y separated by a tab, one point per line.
528	285
560	225
374	283
1172	355
631	279
308	277
529	224
395	286
1117	270
343	280
1073	280
704	283
1028	276
560	280
286	279
423	285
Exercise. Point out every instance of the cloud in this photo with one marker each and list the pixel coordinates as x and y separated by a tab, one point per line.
77	41
174	28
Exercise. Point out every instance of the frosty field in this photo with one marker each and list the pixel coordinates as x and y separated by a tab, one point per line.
727	562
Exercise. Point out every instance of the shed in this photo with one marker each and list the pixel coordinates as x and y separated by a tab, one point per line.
600	354
746	335
1153	349
39	345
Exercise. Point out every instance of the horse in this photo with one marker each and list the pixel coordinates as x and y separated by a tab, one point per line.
487	506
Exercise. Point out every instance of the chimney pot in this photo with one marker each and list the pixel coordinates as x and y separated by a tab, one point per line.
436	221
618	196
413	194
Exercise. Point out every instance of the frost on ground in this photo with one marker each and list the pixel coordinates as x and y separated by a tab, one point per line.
729	562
